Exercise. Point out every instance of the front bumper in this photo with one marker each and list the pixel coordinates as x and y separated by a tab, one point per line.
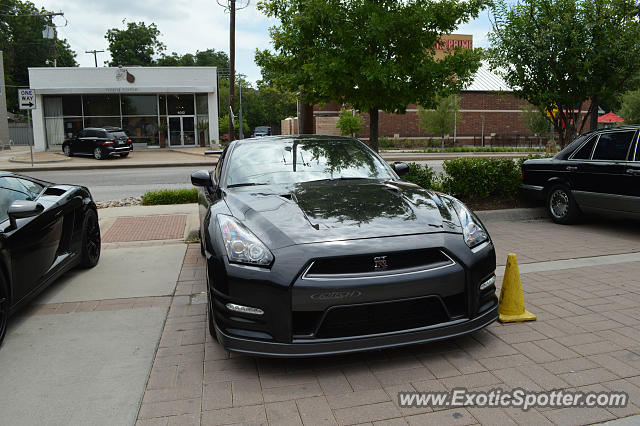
349	345
296	306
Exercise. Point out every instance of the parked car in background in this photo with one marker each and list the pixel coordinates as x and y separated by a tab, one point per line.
260	131
315	246
99	142
598	172
45	230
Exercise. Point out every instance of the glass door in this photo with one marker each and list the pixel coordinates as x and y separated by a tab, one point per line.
188	130
182	131
175	131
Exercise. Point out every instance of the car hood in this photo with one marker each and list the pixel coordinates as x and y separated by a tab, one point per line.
336	210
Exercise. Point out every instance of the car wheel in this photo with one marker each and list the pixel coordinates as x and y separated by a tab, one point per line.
4	308
561	206
90	240
126	154
67	150
97	154
201	245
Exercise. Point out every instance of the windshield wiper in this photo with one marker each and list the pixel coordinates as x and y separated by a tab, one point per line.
235	185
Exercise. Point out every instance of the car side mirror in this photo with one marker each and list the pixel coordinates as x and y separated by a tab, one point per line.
201	178
21	209
401	169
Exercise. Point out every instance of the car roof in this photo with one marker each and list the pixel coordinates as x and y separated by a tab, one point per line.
106	129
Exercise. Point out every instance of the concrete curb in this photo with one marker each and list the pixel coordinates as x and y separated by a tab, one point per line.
511	214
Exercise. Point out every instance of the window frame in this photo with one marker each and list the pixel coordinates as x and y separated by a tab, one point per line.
595	145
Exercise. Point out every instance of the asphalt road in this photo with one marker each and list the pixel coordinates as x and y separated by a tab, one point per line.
114	184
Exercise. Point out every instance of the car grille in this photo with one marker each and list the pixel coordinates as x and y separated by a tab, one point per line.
374	318
349	267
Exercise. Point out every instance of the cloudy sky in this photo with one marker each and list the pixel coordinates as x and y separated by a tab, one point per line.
186	26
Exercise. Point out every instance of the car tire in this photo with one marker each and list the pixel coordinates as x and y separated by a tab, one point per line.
201	245
67	151
561	205
126	154
97	154
4	308
90	251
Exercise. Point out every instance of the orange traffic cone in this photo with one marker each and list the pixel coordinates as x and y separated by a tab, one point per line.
511	303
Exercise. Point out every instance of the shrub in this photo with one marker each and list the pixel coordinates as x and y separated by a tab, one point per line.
170	196
384	142
421	175
349	123
481	177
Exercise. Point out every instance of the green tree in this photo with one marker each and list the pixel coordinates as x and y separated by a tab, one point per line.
536	121
138	44
630	109
374	54
23	46
440	120
205	58
349	123
561	53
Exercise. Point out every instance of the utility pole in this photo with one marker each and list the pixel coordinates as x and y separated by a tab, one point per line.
50	32
231	7
95	55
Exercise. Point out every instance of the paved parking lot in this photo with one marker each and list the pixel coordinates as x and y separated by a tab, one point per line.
586	338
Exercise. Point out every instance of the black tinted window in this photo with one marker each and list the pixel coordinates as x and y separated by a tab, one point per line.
82	134
584	153
613	146
117	135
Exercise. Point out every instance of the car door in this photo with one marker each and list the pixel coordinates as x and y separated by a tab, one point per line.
33	244
85	144
603	177
631	180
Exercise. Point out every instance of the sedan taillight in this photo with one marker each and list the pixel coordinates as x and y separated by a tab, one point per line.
108	143
128	140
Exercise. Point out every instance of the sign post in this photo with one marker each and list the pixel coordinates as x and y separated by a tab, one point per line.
27	100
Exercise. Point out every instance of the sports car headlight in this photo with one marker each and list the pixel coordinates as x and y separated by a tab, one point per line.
472	231
241	245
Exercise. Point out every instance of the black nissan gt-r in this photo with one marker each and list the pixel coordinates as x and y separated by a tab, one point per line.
45	230
315	246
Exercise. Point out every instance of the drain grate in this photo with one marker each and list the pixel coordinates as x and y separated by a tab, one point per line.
146	228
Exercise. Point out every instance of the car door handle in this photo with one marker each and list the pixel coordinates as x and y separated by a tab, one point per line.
572	168
635	172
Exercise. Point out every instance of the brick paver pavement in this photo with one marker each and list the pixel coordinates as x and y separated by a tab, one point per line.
586	338
146	228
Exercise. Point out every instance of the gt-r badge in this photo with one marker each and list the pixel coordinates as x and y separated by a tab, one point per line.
336	295
380	263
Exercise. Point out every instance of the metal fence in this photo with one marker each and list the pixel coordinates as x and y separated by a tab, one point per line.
20	134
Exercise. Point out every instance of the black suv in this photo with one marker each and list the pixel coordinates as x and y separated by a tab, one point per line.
100	142
599	172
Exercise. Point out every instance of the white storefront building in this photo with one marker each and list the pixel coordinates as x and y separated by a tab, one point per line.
157	106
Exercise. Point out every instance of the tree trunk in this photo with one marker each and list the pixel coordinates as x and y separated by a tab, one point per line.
305	119
593	118
373	128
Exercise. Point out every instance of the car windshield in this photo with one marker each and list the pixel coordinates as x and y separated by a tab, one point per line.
118	135
292	161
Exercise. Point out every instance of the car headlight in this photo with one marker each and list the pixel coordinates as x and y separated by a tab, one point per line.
241	245
472	231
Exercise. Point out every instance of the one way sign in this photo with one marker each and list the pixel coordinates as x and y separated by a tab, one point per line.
26	99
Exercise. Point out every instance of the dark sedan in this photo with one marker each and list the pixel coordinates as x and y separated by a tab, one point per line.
45	230
315	246
100	143
598	172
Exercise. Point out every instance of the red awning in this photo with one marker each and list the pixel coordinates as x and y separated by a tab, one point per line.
610	117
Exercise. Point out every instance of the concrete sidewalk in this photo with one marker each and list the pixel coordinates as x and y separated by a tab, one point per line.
181	157
81	353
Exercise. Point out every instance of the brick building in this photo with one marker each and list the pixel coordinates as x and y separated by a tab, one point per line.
487	107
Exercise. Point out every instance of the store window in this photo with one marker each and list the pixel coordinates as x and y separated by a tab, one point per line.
139	105
102	122
202	104
180	104
101	105
142	129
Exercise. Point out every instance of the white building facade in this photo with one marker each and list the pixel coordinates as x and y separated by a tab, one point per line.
157	106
